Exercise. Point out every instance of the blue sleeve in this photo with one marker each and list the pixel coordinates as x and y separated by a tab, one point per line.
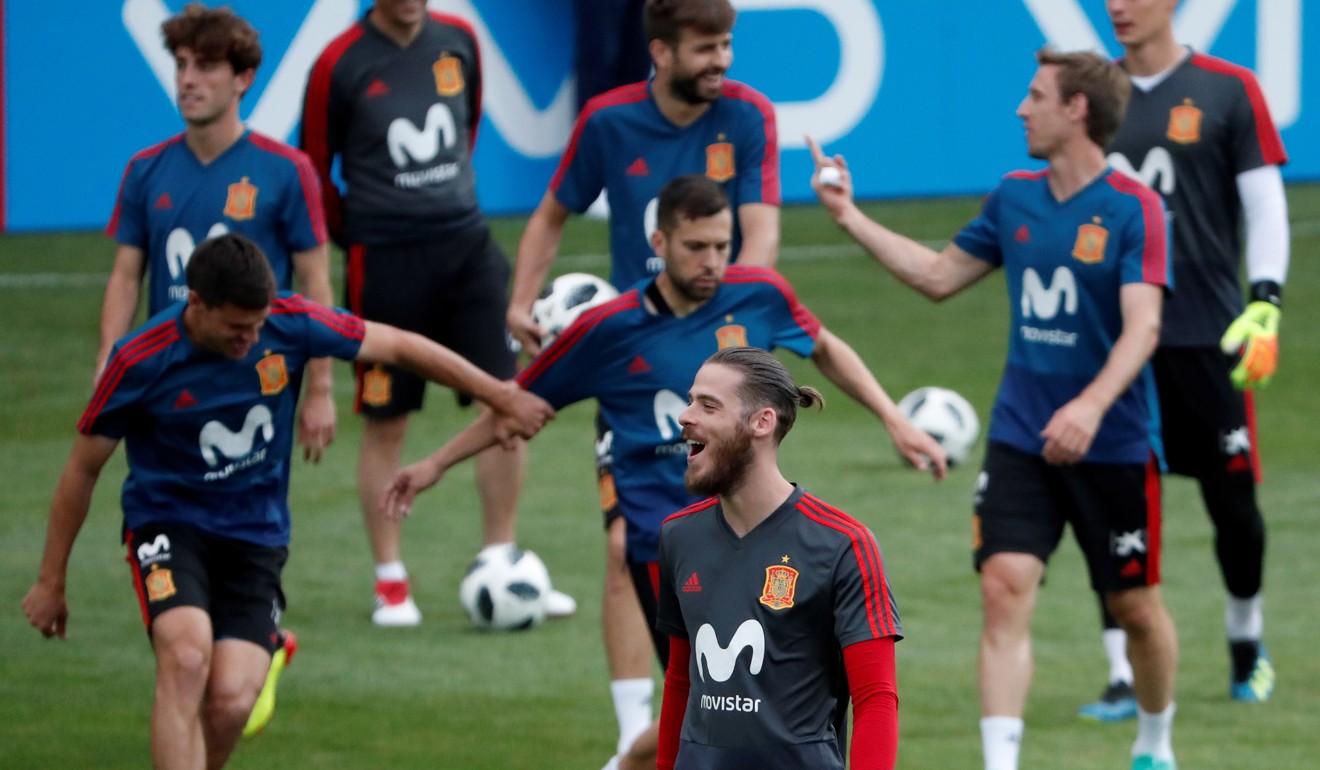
1144	255
114	409
581	174
757	159
130	218
332	332
980	237
795	326
564	373
302	191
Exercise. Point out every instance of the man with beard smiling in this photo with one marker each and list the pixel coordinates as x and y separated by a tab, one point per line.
637	354
687	119
768	566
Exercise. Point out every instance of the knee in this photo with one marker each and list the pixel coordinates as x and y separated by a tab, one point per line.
183	661
1138	611
229	701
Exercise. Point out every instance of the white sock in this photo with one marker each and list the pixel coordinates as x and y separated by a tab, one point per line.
1001	739
495	548
632	708
1243	619
1115	641
391	571
1154	733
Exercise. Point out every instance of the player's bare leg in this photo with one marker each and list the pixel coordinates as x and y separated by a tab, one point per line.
238	671
378	459
499	483
181	638
642	754
1153	651
1009	586
628	647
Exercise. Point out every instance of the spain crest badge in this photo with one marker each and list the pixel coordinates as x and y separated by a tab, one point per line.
448	71
159	584
376	385
242	200
273	373
780	587
731	336
719	161
1090	244
1185	123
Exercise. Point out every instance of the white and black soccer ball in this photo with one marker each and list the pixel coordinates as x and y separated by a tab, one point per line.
566	298
506	590
947	417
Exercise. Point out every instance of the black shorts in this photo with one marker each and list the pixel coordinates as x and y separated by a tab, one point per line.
1023	503
646	582
1209	427
609	499
453	290
235	582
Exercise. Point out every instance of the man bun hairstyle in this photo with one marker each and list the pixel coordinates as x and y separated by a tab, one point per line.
768	383
231	269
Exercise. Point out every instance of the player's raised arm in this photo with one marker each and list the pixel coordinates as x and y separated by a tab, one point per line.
536	252
518	413
414	479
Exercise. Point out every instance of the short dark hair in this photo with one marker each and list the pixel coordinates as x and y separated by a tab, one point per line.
231	269
1103	82
693	196
665	20
767	382
214	34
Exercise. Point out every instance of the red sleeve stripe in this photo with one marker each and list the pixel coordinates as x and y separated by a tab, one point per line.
1271	144
696	507
138	349
112	228
1024	174
345	325
770	193
570	336
311	186
634	92
316	106
756	274
878	612
1155	252
463	25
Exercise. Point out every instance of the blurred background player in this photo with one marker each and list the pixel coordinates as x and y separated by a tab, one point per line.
397	99
1072	435
611	46
206	521
1199	132
217	177
629	142
734	565
642	350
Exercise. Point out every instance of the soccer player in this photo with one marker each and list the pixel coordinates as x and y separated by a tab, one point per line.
1198	131
765	566
217	177
687	119
397	99
642	350
203	397
1072	436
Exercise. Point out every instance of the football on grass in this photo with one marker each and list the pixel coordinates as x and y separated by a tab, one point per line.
946	416
566	298
505	591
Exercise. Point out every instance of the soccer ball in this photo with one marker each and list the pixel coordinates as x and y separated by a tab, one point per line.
946	416
566	298
506	590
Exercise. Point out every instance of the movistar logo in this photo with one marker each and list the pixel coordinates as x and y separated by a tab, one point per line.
717	661
1043	300
409	143
1156	170
156	550
215	437
667	406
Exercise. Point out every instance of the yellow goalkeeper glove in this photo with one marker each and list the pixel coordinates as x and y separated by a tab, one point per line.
1254	336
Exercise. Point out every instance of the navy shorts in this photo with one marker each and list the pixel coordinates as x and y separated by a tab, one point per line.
237	583
1023	504
453	290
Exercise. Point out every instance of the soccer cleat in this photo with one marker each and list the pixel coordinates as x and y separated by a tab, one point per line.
394	605
559	604
1149	762
1118	703
1258	685
264	709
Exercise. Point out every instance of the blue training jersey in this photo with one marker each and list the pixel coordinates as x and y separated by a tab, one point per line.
1065	263
624	145
639	364
208	438
169	202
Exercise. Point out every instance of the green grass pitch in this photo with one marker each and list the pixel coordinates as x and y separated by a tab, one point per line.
446	696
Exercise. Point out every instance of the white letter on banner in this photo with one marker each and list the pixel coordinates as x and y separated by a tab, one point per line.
1198	24
857	83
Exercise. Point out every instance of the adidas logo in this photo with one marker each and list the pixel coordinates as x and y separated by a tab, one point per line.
639	366
1022	235
692	585
1131	569
1238	464
377	88
164	202
185	401
638	168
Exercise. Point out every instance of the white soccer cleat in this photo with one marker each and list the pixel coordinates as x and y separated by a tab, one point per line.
559	604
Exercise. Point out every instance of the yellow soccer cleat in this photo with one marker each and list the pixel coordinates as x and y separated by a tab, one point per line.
264	709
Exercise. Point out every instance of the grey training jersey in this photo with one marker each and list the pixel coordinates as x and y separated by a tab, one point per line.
768	616
1189	138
